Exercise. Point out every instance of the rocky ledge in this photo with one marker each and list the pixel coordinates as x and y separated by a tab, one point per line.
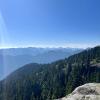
90	91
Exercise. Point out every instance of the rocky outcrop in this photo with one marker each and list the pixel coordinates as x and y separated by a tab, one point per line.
89	91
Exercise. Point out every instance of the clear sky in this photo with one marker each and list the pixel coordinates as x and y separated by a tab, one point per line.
47	23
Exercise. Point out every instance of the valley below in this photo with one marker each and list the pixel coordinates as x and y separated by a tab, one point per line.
55	80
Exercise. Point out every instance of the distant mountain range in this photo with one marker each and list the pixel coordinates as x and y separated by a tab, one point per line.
14	58
51	81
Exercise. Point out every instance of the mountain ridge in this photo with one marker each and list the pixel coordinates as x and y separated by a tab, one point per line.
12	59
55	80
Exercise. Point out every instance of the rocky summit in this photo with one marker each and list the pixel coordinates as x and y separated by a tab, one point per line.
90	91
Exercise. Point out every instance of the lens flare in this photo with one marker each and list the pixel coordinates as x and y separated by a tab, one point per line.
3	33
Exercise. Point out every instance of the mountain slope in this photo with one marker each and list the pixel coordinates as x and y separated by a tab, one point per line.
51	81
14	58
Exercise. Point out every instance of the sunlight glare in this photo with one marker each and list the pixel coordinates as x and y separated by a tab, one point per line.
3	33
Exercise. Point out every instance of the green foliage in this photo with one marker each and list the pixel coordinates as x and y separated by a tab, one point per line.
50	81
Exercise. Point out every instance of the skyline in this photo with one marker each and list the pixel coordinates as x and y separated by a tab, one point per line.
78	46
49	23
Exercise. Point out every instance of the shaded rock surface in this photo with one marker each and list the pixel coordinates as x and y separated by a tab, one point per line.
90	91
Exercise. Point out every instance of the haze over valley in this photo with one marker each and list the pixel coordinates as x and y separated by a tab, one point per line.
12	59
49	49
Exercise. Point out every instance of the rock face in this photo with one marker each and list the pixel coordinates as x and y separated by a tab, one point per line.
89	91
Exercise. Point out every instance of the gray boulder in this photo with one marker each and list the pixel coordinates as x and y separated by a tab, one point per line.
90	91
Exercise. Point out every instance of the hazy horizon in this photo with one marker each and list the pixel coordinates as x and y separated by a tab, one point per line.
48	48
49	23
78	47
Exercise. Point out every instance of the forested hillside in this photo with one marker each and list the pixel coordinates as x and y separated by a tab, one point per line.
13	58
52	81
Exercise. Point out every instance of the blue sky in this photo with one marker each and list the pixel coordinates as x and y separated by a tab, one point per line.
49	23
